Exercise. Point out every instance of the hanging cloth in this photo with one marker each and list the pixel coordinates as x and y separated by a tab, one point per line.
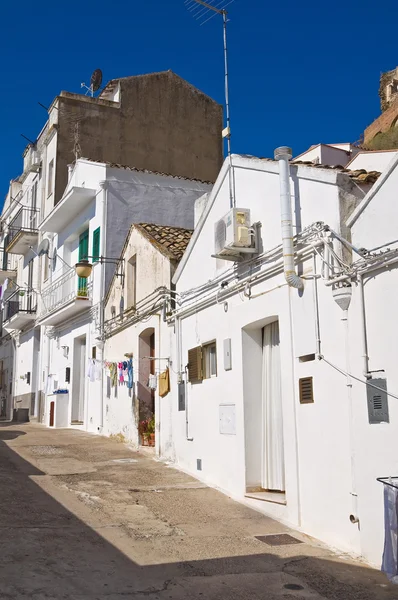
98	369
130	374
91	369
113	374
152	382
120	371
390	555
164	383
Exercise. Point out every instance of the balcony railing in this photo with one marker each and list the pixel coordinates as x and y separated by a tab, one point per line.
26	219
8	262
23	300
63	290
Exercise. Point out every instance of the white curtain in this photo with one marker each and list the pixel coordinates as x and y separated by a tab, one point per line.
273	448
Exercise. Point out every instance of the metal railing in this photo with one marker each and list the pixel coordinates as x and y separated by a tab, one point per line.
8	262
61	291
23	300
26	219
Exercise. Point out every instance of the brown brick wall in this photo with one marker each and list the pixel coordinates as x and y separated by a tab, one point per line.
161	124
383	123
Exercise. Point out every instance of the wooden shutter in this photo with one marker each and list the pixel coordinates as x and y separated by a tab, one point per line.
195	370
306	390
96	245
83	245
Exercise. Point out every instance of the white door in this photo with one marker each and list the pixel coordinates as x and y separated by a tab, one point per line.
273	461
79	380
82	391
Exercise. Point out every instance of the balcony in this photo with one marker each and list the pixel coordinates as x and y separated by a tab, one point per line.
8	266
66	297
22	231
20	309
69	207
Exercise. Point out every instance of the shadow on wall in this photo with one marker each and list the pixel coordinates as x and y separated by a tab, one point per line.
49	552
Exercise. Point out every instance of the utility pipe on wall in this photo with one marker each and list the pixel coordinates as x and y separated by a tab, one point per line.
365	351
283	155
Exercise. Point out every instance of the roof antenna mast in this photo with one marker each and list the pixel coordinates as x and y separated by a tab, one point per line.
203	12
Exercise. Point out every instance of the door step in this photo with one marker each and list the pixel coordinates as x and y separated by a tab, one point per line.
274	497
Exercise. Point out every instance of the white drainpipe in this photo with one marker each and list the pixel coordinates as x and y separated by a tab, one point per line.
283	155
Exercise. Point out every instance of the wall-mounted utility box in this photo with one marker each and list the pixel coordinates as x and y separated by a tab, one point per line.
227	355
377	401
181	396
227	419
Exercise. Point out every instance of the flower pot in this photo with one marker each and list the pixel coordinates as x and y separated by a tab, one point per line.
144	440
151	440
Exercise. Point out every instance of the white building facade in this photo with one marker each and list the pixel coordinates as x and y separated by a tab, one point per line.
91	222
270	414
136	329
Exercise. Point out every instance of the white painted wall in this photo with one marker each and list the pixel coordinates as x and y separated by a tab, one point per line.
121	406
318	440
131	197
328	154
376	454
372	161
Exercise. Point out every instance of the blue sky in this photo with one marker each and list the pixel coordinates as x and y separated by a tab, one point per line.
301	73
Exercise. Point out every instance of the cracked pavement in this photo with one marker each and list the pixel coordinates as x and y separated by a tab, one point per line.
85	517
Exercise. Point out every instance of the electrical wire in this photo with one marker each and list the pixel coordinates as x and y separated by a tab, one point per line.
321	357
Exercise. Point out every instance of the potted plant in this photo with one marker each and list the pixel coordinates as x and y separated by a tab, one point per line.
151	432
146	430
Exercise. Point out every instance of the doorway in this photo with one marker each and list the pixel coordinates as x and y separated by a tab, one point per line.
79	380
273	460
147	380
263	412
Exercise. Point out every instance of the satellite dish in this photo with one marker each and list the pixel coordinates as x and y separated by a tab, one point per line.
96	80
43	248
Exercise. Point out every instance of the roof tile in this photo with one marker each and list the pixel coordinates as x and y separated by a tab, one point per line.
172	240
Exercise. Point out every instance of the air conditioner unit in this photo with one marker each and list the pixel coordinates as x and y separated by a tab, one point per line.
232	233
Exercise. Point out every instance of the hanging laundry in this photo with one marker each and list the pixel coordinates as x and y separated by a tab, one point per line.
130	374
91	369
164	383
98	369
120	371
113	374
390	555
152	382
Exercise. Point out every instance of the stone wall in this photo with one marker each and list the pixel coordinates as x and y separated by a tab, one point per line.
162	123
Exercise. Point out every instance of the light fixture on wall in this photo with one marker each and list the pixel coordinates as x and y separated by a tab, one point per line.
84	268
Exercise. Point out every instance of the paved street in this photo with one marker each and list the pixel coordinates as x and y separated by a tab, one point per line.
84	517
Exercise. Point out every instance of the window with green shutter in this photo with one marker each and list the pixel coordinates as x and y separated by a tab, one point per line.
96	245
83	255
83	245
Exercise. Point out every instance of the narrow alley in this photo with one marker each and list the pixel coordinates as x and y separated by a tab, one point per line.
85	517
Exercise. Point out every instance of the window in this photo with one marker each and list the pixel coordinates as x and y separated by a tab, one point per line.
132	282
209	354
202	362
83	255
34	195
50	178
96	245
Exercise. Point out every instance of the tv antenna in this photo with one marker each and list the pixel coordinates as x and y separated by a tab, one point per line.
95	83
203	12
